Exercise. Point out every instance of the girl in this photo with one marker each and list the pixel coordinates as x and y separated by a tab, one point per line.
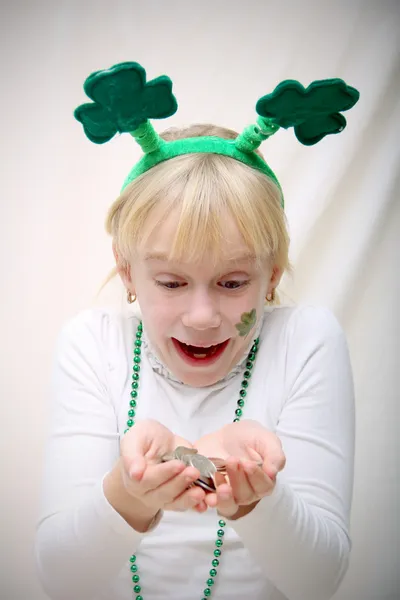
201	445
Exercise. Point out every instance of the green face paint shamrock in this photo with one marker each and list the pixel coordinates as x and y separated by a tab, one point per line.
247	322
314	112
123	101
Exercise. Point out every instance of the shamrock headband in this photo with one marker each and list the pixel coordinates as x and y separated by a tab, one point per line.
124	102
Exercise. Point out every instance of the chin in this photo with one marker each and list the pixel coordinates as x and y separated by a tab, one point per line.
200	379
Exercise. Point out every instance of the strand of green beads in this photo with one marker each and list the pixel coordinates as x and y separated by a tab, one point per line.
238	415
130	423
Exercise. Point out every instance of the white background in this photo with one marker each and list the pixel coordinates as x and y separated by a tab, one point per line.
342	202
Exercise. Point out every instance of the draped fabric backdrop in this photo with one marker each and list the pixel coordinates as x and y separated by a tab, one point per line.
342	203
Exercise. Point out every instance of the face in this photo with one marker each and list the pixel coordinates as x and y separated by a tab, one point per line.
192	312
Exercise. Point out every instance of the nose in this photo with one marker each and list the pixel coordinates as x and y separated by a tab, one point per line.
202	312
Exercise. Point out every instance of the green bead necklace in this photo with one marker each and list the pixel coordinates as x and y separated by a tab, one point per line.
130	422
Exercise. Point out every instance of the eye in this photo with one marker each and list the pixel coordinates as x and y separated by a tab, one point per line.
169	285
233	284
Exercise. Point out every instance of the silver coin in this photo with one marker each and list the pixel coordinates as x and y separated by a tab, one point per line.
167	457
219	463
178	453
203	464
181	451
207	484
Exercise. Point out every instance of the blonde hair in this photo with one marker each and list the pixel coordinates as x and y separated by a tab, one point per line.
204	187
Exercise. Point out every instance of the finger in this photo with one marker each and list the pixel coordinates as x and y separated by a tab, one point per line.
226	504
243	493
254	455
265	445
170	490
223	497
272	468
260	483
201	507
211	499
137	467
155	475
272	455
187	499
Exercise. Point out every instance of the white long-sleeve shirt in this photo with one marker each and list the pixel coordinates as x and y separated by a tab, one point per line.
295	544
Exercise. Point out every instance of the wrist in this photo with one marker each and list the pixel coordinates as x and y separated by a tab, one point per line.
241	512
139	516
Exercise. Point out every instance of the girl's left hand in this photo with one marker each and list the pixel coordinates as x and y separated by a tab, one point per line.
242	445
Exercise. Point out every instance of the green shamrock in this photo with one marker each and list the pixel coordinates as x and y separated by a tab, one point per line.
247	322
314	112
123	101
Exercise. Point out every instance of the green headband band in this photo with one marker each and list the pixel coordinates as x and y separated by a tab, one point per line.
124	102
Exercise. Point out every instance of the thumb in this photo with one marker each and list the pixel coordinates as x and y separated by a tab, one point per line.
134	446
136	467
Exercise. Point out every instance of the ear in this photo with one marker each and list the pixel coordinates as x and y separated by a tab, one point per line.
276	275
123	269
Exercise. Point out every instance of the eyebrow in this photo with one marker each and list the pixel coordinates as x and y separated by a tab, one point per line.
164	257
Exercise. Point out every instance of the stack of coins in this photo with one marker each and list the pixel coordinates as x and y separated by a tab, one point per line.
191	458
208	467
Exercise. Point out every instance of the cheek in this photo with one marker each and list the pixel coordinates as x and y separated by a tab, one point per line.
253	299
158	311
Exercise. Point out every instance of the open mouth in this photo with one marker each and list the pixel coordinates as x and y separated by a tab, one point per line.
198	354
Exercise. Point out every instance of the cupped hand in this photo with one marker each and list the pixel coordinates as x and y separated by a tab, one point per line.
158	486
243	445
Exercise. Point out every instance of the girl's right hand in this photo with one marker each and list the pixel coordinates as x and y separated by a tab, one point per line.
158	486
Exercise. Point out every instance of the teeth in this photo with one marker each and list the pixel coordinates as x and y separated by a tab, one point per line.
202	352
205	354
